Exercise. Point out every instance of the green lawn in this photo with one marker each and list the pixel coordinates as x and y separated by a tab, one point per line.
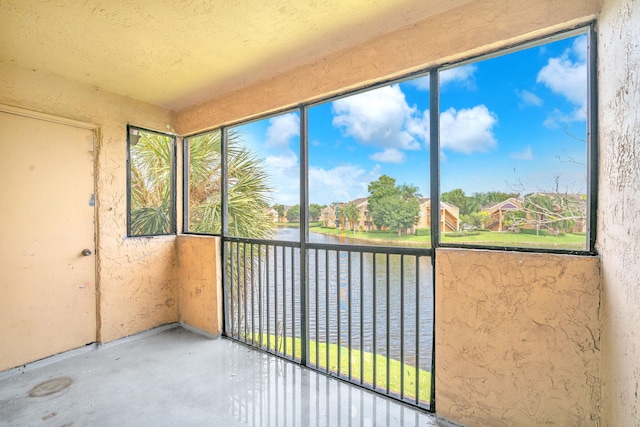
488	238
566	241
395	367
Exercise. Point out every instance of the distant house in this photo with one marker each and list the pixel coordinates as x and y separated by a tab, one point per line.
328	216
283	218
364	219
497	213
449	216
273	214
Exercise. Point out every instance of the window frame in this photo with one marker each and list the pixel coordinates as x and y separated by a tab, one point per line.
185	179
172	183
433	71
591	127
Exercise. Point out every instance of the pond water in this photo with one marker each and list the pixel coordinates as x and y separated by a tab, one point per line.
352	286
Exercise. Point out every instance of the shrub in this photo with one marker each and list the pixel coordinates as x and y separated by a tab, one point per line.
533	231
462	234
423	232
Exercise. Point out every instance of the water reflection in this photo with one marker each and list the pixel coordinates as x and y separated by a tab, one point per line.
410	308
280	393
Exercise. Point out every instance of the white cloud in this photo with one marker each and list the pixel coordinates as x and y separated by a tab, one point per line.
467	130
284	177
528	98
282	162
281	129
422	83
567	76
555	119
461	75
580	48
389	155
381	118
340	184
525	154
286	160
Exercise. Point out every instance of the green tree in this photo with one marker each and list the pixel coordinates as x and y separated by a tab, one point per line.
280	209
293	214
383	187
457	198
475	219
398	214
248	192
314	211
393	206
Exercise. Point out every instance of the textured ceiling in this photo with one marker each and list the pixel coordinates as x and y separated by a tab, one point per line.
176	53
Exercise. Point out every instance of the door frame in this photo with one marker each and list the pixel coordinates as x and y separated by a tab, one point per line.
95	130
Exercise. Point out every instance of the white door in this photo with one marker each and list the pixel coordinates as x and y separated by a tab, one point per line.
47	284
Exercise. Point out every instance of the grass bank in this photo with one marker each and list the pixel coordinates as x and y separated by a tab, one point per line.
376	235
491	238
395	367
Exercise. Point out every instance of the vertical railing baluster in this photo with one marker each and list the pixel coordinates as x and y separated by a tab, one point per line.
388	298
375	321
275	295
244	283
361	318
293	308
349	310
402	327
253	298
239	303
326	312
317	304
418	330
338	314
284	299
260	308
267	287
230	285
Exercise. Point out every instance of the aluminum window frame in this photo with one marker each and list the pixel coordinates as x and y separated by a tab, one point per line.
172	182
591	143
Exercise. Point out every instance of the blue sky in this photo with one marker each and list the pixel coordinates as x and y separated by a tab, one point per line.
514	123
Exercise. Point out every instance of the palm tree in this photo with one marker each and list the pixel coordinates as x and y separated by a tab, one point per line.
353	214
248	189
150	184
247	206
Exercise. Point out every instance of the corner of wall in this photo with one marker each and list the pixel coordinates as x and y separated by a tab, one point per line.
199	299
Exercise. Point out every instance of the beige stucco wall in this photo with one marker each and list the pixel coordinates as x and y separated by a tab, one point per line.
136	278
517	338
619	209
200	294
476	27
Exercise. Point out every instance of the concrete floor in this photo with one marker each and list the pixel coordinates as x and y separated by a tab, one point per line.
178	378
